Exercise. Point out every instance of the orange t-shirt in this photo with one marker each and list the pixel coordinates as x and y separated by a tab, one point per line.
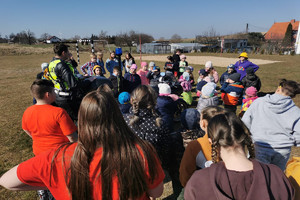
48	126
35	172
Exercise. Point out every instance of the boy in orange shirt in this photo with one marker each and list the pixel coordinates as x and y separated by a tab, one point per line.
47	125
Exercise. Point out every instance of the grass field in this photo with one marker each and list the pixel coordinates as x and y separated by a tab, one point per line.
19	66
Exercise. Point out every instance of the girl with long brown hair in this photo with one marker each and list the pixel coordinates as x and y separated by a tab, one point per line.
233	175
108	162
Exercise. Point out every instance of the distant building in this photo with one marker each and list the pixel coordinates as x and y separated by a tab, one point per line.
278	30
234	43
53	39
156	48
186	47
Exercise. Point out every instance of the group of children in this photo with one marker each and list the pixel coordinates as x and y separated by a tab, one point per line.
208	134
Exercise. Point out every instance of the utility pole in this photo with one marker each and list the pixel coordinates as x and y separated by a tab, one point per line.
247	28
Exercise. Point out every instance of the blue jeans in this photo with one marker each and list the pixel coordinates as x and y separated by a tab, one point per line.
276	156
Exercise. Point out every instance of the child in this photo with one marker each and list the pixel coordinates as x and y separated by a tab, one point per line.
117	81
201	81
187	87
230	70
87	68
54	124
212	73
124	100
143	73
250	96
111	62
189	69
151	65
47	125
128	61
131	79
274	121
166	105
251	79
169	64
232	90
44	67
198	151
97	71
208	97
191	130
153	76
100	62
233	175
182	64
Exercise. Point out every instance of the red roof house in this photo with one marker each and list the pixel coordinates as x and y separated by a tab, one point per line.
278	30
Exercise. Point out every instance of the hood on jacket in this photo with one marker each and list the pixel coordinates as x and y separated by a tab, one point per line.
279	103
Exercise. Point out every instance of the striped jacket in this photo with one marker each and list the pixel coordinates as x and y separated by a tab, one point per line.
231	93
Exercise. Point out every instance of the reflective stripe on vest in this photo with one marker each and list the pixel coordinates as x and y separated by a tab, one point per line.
53	76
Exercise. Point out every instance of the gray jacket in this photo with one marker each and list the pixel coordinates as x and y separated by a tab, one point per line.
205	102
274	120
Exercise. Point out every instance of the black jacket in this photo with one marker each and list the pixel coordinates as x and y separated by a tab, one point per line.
64	74
251	80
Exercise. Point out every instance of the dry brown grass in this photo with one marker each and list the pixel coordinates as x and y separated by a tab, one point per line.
18	72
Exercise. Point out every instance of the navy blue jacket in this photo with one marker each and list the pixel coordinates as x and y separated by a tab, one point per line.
131	81
166	108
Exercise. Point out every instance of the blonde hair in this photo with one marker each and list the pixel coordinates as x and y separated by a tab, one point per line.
92	55
99	55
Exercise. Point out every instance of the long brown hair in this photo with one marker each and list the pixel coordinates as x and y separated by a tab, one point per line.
228	130
143	97
101	125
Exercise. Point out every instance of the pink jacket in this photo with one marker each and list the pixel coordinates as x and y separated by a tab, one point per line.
144	79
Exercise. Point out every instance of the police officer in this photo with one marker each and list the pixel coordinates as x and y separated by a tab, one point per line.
67	89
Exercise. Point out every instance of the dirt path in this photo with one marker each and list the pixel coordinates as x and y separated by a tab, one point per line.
201	60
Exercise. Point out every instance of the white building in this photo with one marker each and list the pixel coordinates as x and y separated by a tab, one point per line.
186	47
53	39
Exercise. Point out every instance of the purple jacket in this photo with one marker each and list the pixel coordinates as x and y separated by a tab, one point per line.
241	67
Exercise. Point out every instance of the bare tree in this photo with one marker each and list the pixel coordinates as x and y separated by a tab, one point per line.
176	38
103	35
209	37
45	36
29	36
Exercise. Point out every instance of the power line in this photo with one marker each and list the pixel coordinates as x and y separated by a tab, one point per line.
259	27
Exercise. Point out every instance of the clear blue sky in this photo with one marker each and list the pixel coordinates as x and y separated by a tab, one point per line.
160	18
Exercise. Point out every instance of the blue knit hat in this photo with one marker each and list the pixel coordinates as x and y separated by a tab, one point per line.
190	119
124	97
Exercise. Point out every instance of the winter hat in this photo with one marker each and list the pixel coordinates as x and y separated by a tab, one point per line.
208	65
235	77
251	91
182	56
190	119
164	88
133	66
231	66
202	72
151	64
143	64
44	66
186	76
191	68
209	89
124	97
250	70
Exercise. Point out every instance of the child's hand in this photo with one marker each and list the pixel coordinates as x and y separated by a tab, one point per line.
86	75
